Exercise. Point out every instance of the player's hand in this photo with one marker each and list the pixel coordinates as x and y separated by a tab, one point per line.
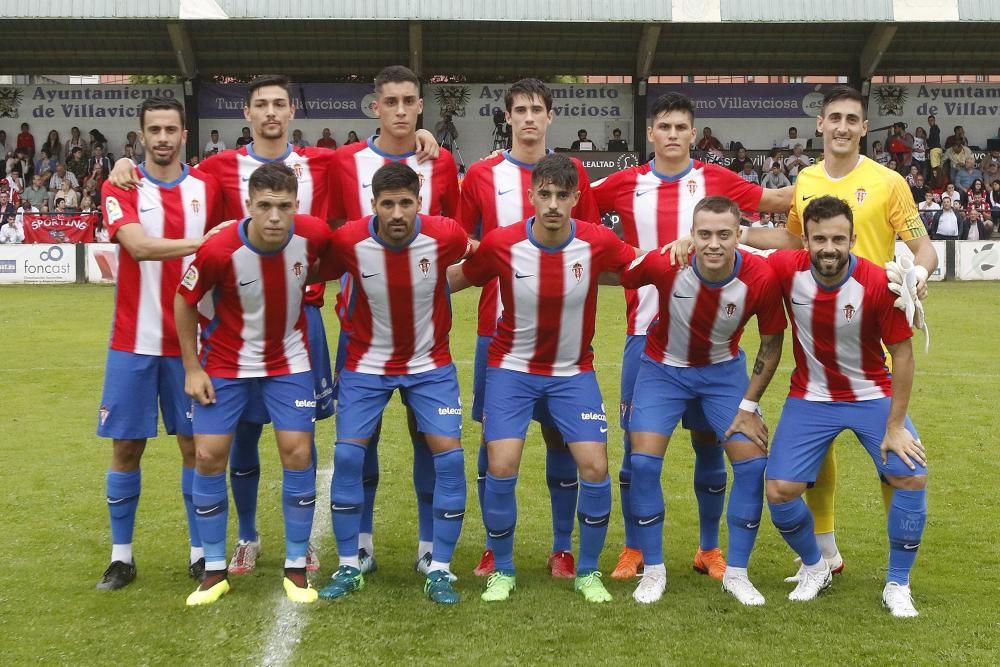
752	425
427	146
218	228
680	251
900	441
123	175
198	386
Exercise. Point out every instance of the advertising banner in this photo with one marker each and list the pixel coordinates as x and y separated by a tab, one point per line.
977	260
311	100
102	263
59	227
26	263
746	100
903	250
974	106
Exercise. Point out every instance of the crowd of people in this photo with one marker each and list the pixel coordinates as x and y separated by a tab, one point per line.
216	144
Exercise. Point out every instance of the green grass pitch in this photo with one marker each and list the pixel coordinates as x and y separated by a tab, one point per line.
56	537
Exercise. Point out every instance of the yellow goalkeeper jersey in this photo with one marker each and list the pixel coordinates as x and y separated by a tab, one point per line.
880	199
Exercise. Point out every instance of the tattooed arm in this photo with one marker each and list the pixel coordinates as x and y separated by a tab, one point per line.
749	422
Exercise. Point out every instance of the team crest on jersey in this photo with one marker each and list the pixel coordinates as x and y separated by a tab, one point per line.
297	168
195	205
860	195
730	310
849	311
103	413
578	271
298	269
190	278
420	175
692	186
425	266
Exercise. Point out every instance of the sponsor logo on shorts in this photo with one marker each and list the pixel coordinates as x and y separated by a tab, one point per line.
103	413
593	417
305	404
450	411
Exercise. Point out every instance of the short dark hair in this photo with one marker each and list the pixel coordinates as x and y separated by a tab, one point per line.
395	176
672	102
528	88
838	93
824	208
60	201
275	176
395	74
157	103
279	80
717	204
556	169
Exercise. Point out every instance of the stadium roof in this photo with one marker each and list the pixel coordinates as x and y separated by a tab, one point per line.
313	39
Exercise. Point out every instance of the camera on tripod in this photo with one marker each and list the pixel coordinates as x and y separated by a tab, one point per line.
501	130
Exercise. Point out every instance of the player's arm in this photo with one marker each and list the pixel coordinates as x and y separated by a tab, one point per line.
616	277
123	175
776	200
477	269
197	384
427	146
143	247
749	421
897	438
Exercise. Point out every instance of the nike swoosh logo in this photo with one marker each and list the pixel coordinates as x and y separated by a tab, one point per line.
249	282
800	303
718	490
587	521
307	503
453	515
243	473
500	535
644	192
751	526
786	531
524	275
343	508
568	485
807	197
501	193
366	186
147	210
369	275
604	429
910	547
682	296
198	510
647	522
115	501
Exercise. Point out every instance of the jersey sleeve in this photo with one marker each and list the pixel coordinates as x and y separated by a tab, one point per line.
333	260
204	272
781	264
119	208
470	215
793	223
618	254
770	307
746	195
457	243
586	209
482	266
642	271
903	214
450	196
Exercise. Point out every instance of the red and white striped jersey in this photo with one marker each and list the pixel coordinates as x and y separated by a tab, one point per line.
549	295
401	314
839	331
357	164
701	322
495	194
259	327
314	168
656	209
144	299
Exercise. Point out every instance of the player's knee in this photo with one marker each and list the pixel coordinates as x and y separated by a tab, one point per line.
594	471
908	483
126	455
780	491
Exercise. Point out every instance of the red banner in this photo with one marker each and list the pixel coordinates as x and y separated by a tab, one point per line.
59	227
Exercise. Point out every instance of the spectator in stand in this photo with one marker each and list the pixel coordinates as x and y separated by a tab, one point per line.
138	152
45	165
901	146
15	184
938	182
76	164
878	154
75	141
35	193
4	148
920	151
352	138
955	157
95	179
796	161
774	157
100	159
708	142
966	174
775	179
193	161
616	143
893	165
994	199
911	178
55	183
101	232
990	166
26	141
947	223
21	162
214	144
977	227
582	143
740	159
919	190
748	174
60	208
97	139
128	154
245	138
7	210
68	194
298	140
12	233
816	143
53	148
87	205
957	197
25	207
958	137
934	142
792	139
928	207
978	197
327	140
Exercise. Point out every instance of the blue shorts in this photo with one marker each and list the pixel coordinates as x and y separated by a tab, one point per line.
541	412
432	395
132	385
288	399
694	417
574	404
319	359
667	392
808	428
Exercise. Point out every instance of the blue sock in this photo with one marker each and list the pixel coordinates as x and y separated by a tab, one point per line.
211	505
594	514
449	503
244	477
424	467
187	484
298	502
315	456
710	491
795	523
122	490
482	464
560	473
907	516
648	507
500	517
347	496
625	487
369	483
746	504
